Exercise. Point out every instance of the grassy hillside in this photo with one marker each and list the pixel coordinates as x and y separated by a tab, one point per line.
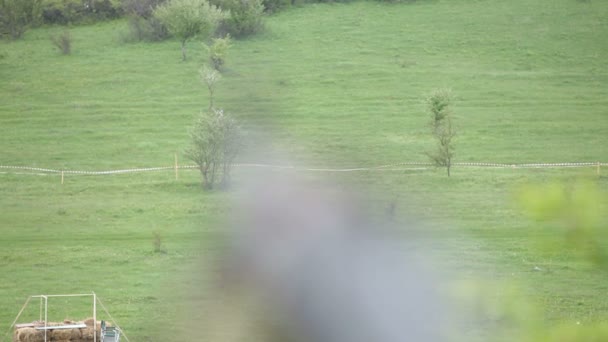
334	85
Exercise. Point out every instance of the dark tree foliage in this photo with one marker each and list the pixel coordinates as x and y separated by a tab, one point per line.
16	16
439	103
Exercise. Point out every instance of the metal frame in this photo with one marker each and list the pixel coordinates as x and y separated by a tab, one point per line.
45	299
46	304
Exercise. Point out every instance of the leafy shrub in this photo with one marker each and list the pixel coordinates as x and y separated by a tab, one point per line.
141	8
245	17
76	11
54	15
63	42
157	241
105	9
218	50
187	19
210	77
439	105
16	16
143	26
272	6
216	140
145	29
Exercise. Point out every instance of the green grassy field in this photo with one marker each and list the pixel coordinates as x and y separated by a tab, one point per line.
334	85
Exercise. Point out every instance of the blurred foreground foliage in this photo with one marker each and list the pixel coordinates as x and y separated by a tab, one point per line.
570	219
499	311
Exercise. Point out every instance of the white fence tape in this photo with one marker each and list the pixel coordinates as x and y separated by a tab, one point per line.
404	166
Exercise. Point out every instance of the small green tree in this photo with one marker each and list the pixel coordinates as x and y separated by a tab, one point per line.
246	17
215	143
63	42
17	15
231	146
439	103
218	50
205	147
186	19
210	77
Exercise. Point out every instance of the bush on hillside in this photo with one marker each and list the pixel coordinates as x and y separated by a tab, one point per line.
146	29
63	12
63	42
77	11
103	9
187	19
141	8
216	140
218	50
245	17
16	16
439	104
143	26
272	6
52	14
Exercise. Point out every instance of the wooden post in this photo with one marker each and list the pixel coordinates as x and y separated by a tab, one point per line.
94	317
46	315
598	168
176	168
62	177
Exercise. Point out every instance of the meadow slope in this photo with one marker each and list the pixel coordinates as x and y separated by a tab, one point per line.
334	85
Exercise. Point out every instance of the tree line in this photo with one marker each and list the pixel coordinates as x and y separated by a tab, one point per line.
245	16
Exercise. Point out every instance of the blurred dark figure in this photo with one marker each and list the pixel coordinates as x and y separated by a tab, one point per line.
315	262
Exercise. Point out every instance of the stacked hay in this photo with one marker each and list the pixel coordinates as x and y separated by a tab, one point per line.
31	334
28	335
88	333
66	335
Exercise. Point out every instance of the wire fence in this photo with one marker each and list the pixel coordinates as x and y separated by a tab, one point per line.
403	166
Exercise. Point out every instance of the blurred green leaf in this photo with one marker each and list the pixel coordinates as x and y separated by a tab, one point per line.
572	214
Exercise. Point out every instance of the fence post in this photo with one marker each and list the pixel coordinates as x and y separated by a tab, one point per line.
598	168
61	177
176	168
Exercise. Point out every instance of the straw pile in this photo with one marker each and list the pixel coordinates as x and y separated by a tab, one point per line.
28	335
31	334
